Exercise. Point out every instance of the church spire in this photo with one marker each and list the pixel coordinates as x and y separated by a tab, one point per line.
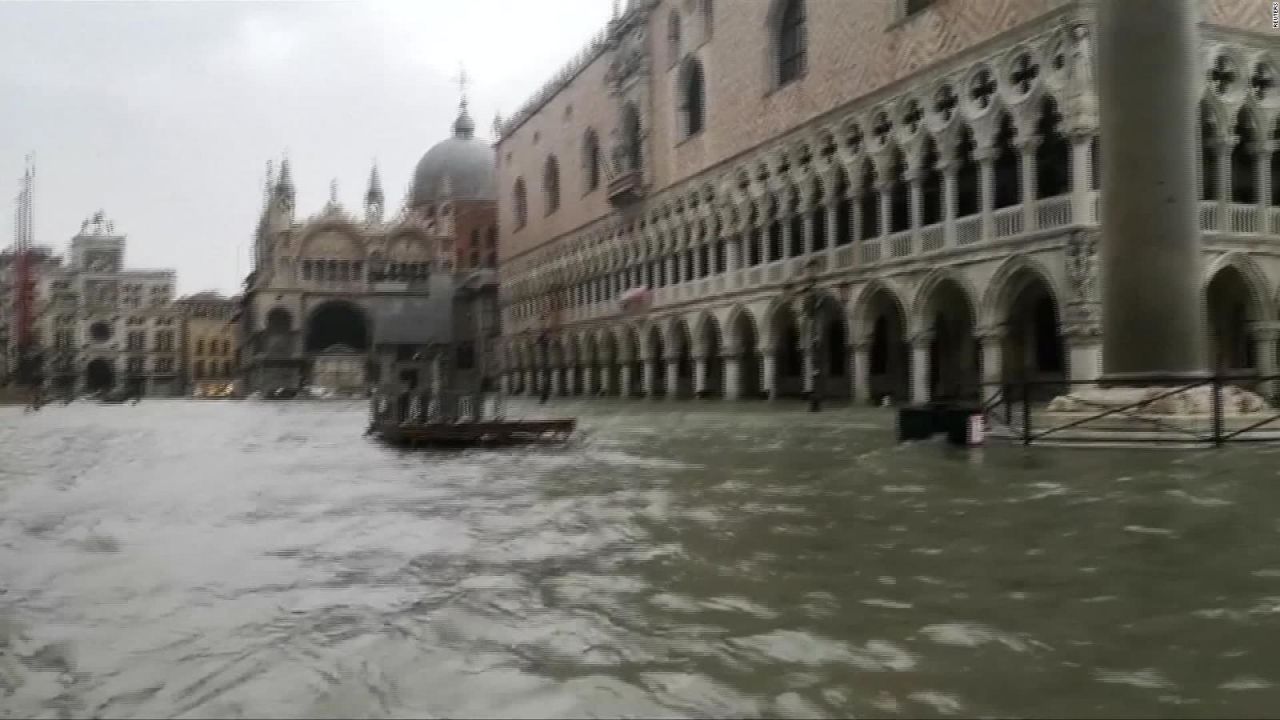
373	198
464	127
284	183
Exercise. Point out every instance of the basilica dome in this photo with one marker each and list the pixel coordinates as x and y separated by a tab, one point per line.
459	168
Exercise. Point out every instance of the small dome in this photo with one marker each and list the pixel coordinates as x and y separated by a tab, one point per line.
459	168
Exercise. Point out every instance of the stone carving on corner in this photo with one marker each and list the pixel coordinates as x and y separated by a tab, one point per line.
630	57
1081	315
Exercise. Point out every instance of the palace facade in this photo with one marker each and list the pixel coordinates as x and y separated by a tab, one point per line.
927	167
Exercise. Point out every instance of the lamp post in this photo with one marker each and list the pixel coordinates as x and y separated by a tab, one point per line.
811	304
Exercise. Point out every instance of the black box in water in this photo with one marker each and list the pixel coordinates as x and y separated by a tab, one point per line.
922	422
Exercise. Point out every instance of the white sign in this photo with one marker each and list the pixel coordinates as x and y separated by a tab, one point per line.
977	430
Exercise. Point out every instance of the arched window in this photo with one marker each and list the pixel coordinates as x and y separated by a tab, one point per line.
870	202
1007	179
844	209
796	230
673	35
551	184
591	159
818	216
1208	156
1244	161
899	194
520	203
692	98
793	41
633	152
1053	155
930	185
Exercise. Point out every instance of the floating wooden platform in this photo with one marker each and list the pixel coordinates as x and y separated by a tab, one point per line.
486	433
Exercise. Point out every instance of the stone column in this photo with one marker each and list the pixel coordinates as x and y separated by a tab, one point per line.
1081	177
626	390
556	389
504	383
855	226
806	365
589	380
732	380
916	211
606	379
833	226
1264	353
570	376
1084	355
699	376
1262	151
920	345
1153	326
949	203
679	266
672	382
860	371
649	382
883	190
1027	173
991	341
732	253
768	373
806	229
987	190
1225	147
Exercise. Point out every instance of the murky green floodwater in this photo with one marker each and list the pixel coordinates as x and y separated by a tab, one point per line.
248	559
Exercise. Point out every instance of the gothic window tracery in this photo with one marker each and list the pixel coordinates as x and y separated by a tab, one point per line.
968	194
930	185
692	97
551	184
591	159
1053	155
793	41
1244	160
1208	155
520	203
1007	162
870	202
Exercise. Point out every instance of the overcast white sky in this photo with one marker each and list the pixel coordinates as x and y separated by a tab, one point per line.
165	113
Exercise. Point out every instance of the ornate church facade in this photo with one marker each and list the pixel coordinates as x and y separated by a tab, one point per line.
894	198
342	300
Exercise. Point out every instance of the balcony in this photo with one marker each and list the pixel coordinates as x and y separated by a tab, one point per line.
1044	219
626	188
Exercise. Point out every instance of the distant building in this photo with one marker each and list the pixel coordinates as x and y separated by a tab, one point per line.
210	342
44	261
343	301
102	326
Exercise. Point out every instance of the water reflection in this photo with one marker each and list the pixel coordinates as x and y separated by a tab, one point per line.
241	559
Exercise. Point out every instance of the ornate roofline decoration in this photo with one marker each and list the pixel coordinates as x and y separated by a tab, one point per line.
636	13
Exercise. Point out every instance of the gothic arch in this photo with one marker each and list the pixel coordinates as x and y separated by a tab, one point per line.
922	303
706	326
1255	280
738	315
1005	284
551	184
691	89
590	159
863	304
786	26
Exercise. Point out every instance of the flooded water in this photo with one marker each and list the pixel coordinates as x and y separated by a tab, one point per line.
243	559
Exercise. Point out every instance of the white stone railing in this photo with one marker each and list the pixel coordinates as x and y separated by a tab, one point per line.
900	244
1007	221
1209	216
1053	212
968	230
1011	222
1242	218
932	237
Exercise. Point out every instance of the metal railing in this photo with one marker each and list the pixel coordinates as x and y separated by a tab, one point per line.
1014	406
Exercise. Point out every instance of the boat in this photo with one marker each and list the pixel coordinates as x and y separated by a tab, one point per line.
422	420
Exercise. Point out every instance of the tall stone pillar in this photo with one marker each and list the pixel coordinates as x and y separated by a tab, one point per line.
1263	150
883	190
589	380
806	366
1153	327
732	378
570	380
861	354
1027	180
1081	177
987	187
1264	352
1225	147
949	203
672	382
920	390
699	376
768	373
504	383
556	388
992	348
626	390
649	382
1084	357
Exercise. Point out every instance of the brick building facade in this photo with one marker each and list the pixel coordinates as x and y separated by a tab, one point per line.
928	165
